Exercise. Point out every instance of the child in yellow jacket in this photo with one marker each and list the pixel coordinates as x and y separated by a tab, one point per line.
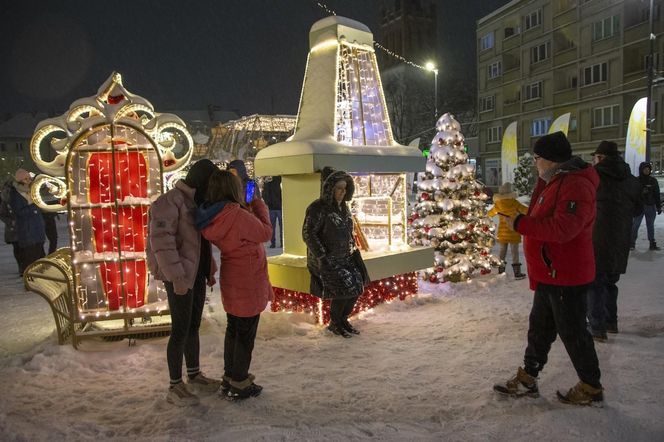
505	203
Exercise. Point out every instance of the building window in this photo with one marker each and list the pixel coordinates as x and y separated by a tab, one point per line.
533	19
606	28
572	123
595	73
495	69
512	30
486	42
494	134
532	91
487	103
539	53
606	116
540	126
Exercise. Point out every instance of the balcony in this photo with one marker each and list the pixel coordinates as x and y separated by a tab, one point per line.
511	75
565	56
511	42
564	18
564	96
511	107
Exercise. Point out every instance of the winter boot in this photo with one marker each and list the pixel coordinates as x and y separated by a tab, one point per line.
339	330
501	267
612	327
243	390
179	395
582	394
349	327
653	246
226	384
520	385
517	271
203	384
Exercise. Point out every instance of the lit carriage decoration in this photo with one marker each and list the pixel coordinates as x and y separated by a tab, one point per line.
343	123
104	162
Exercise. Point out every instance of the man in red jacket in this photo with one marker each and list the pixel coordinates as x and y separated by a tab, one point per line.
558	245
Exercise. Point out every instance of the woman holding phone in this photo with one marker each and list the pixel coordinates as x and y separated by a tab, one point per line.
239	230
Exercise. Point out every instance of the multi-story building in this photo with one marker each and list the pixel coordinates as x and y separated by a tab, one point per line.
538	59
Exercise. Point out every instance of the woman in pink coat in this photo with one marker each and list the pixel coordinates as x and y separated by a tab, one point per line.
239	231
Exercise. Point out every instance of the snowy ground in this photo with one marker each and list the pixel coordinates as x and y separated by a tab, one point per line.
420	370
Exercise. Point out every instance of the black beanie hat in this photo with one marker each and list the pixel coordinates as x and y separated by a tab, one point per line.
198	177
554	147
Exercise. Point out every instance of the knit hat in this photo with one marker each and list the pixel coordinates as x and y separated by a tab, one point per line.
505	188
554	147
608	148
198	177
241	169
22	176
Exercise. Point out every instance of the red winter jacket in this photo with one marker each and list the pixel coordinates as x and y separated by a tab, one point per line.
240	234
558	229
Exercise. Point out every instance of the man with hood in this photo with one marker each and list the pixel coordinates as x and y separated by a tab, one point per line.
30	232
558	247
334	262
179	256
618	200
237	168
652	205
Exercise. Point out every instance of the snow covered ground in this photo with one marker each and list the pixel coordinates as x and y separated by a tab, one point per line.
421	370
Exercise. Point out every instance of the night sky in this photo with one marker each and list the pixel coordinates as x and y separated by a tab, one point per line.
243	55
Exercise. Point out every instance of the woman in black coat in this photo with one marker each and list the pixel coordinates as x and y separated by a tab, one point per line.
335	264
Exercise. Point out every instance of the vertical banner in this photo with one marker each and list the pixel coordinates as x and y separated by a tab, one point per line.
508	155
635	143
561	124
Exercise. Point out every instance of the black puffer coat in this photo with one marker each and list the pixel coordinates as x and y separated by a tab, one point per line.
618	200
336	266
650	187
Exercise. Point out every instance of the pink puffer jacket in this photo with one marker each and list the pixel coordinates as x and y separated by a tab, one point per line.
174	244
240	234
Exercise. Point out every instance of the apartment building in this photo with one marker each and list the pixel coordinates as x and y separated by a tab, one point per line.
539	59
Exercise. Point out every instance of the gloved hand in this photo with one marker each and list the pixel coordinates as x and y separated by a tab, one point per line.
180	287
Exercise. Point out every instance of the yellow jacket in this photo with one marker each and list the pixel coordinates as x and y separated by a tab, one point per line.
507	204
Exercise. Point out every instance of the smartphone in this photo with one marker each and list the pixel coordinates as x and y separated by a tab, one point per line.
251	189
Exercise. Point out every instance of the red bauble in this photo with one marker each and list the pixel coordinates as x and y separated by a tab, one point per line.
415	215
471	226
477	193
485	271
438	269
425	196
463	213
426	229
485	228
63	201
455	238
433	278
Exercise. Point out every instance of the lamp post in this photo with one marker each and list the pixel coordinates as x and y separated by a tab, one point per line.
651	76
432	67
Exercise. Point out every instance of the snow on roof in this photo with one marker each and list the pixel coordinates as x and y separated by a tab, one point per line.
340	28
21	125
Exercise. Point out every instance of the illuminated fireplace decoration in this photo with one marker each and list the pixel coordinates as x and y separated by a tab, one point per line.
104	162
343	122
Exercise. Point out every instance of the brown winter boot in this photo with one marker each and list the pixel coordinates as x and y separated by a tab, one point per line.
582	394
520	385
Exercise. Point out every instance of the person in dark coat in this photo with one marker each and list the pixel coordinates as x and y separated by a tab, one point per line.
272	197
237	168
30	232
652	205
618	200
8	217
335	264
558	247
51	229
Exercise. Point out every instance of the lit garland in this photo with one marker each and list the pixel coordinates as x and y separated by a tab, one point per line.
113	151
450	214
384	290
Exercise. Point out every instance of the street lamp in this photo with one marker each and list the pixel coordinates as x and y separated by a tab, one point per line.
430	66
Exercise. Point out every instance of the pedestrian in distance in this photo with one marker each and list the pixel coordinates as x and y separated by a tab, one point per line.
558	246
335	264
272	197
179	256
8	217
618	200
505	203
30	231
238	228
652	205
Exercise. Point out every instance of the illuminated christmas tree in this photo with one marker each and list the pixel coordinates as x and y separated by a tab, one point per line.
450	214
524	175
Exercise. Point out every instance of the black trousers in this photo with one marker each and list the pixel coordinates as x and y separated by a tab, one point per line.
561	311
238	345
29	254
340	309
186	313
51	230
